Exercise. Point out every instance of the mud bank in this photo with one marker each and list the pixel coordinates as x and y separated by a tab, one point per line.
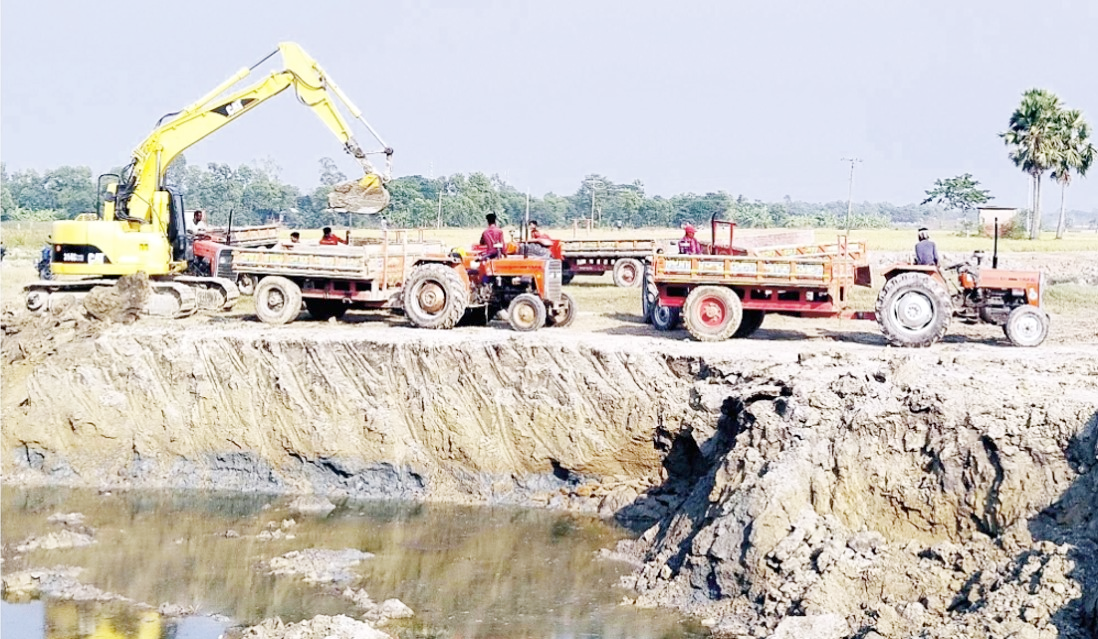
781	486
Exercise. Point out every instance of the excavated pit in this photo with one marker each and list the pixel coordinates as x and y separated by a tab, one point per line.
794	488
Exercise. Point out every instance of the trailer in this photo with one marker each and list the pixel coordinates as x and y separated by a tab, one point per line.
623	258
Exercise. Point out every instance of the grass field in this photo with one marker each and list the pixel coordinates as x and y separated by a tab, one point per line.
33	235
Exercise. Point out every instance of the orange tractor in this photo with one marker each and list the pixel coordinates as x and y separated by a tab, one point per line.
471	288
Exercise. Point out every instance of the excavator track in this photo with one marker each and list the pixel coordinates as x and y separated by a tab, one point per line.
168	298
213	293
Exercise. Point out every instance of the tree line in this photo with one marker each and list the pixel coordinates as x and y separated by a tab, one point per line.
256	195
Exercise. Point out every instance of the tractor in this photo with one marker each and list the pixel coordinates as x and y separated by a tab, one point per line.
914	307
473	287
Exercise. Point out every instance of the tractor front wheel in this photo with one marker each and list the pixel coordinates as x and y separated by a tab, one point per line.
1026	326
526	313
712	313
913	309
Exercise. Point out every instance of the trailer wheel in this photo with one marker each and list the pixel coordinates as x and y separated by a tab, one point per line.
627	272
277	300
434	297
913	309
526	313
666	318
712	313
1026	326
752	320
650	293
562	314
325	309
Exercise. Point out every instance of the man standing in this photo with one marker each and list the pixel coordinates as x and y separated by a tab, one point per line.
926	253
331	239
492	237
689	245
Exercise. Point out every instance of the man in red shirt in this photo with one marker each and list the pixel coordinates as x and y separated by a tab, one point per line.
331	239
492	237
689	245
539	236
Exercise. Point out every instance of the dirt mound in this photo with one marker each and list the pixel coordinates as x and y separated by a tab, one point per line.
122	303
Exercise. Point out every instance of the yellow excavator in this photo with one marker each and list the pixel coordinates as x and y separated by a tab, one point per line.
139	224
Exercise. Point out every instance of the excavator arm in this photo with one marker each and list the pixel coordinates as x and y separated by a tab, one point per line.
141	200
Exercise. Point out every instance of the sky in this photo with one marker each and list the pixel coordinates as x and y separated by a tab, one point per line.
759	98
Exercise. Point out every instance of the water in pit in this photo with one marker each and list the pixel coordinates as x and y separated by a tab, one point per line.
465	571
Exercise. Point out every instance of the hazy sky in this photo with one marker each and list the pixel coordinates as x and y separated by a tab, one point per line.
760	98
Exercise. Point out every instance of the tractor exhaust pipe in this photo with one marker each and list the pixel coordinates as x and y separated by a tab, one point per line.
995	250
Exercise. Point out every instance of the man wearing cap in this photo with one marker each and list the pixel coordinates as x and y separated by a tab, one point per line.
926	253
688	245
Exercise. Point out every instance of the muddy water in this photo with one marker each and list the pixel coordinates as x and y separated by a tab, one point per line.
469	572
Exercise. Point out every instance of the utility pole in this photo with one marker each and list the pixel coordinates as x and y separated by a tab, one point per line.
439	208
850	190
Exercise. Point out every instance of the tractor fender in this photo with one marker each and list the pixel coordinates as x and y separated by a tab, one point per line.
893	270
457	265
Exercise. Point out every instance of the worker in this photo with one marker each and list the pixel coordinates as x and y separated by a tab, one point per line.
295	238
538	236
689	245
43	265
199	221
926	253
330	239
492	237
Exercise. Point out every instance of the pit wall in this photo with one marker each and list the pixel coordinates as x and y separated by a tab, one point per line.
855	490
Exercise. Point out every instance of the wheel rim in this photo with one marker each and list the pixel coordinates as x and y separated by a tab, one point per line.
562	312
36	300
275	301
524	315
662	315
914	311
712	311
1027	328
431	298
629	274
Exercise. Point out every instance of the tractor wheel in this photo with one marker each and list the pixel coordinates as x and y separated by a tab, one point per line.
1026	326
526	313
650	293
712	313
752	320
666	318
325	309
277	300
913	309
562	314
246	283
434	297
628	272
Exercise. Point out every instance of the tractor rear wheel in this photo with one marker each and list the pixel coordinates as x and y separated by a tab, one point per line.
752	320
1026	326
526	313
562	314
712	313
277	300
325	309
666	318
628	272
434	297
650	293
913	309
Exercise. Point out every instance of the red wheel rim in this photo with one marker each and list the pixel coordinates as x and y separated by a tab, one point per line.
712	311
629	274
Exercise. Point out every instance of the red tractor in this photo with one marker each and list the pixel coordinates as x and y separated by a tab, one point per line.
915	306
474	287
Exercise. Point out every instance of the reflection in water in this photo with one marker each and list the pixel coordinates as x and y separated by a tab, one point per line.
467	572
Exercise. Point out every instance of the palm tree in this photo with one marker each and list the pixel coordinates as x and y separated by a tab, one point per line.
1032	135
1076	154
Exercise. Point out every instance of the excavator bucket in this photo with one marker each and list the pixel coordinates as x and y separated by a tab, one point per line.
365	196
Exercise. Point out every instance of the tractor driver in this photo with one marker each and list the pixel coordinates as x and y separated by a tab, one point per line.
926	253
200	221
492	237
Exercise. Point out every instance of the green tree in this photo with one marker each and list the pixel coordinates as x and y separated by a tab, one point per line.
957	194
1075	155
1032	137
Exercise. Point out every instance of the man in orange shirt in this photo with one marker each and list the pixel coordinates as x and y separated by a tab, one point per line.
331	239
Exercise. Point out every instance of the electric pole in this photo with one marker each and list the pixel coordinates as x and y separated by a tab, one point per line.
850	190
